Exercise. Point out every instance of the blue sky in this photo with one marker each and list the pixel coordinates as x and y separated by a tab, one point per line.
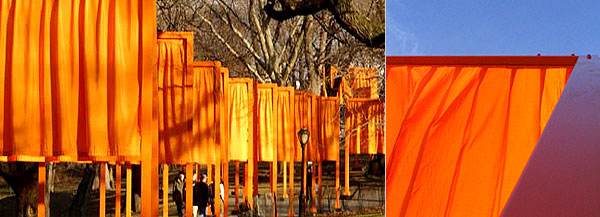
508	27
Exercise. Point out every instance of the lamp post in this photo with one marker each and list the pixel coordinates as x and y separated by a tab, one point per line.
303	135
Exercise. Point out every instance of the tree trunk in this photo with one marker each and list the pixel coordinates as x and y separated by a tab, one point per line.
80	201
22	178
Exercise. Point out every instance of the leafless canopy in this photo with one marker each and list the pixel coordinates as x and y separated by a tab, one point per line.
251	43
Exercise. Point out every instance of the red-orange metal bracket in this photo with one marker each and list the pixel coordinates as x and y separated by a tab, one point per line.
482	60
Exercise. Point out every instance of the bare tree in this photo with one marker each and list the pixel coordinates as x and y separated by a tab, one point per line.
251	43
367	27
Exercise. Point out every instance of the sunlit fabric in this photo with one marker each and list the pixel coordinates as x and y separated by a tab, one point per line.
222	93
240	118
305	116
70	78
265	122
285	124
459	136
329	121
173	95
364	121
363	82
205	148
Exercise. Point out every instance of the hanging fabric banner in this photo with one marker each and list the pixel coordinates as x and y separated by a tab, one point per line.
313	150
174	98
461	135
265	122
240	118
74	93
205	122
329	121
363	82
285	124
363	119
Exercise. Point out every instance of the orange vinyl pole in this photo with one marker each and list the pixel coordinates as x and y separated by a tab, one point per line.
313	207
249	167
337	184
291	209
103	189
226	189
128	195
304	175
148	122
347	166
165	187
41	206
189	174
255	137
285	194
209	177
118	190
273	184
237	185
218	186
320	199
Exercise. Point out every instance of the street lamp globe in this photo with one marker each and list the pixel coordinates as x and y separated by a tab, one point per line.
303	135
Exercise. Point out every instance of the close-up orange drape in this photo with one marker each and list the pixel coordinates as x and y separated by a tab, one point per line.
459	137
240	115
265	122
173	96
329	121
285	124
70	78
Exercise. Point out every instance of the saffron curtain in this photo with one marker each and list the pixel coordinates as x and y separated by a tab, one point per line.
460	136
363	82
70	79
285	124
329	121
240	118
265	122
205	145
174	97
364	121
305	116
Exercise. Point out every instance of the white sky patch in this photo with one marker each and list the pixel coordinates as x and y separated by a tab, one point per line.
398	40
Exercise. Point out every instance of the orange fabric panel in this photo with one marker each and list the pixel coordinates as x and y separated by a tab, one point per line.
76	93
460	136
313	147
240	114
285	124
205	120
300	121
265	122
363	82
305	116
365	126
174	95
329	118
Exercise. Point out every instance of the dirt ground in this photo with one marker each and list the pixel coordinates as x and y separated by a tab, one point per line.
367	192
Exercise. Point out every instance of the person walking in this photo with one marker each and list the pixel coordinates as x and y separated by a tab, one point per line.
195	198
202	194
179	193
